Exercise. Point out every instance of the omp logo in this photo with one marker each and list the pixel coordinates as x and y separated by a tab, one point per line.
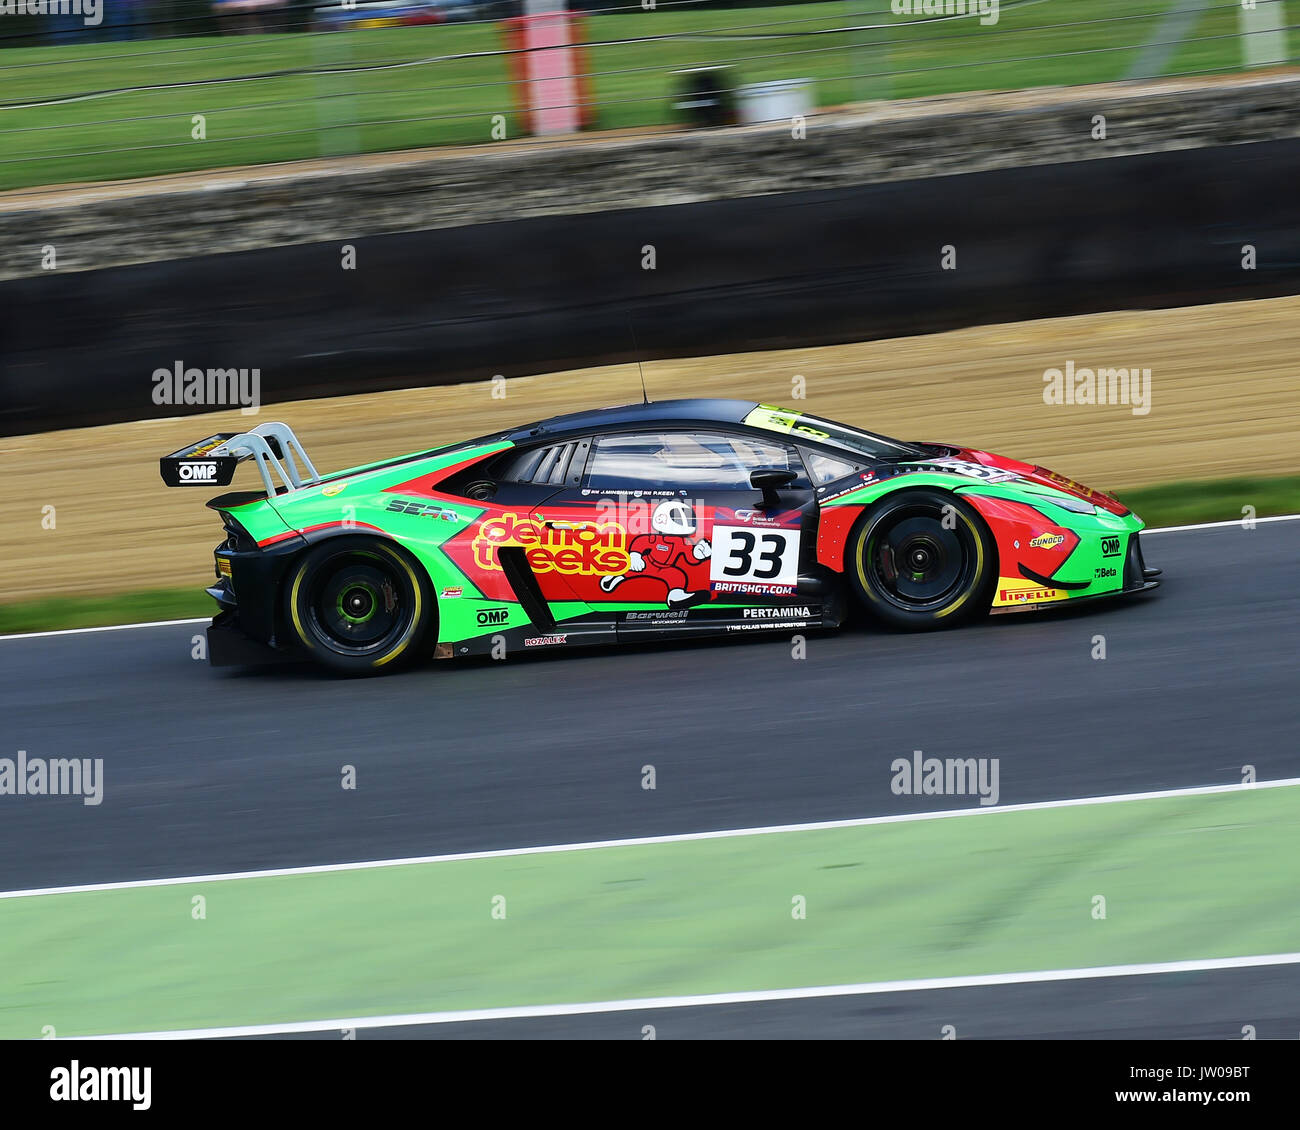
1110	546
1047	541
198	472
493	616
596	548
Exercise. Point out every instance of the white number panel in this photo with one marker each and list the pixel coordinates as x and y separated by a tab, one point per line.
754	559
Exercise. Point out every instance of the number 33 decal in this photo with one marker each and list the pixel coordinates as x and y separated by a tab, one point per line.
742	554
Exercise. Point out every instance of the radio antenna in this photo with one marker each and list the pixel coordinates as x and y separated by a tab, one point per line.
636	349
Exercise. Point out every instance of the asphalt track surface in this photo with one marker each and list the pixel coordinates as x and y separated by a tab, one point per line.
1214	1005
210	771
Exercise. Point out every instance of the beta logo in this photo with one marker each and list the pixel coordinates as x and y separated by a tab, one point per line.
198	472
1110	546
493	616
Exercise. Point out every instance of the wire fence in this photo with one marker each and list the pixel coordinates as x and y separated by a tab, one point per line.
167	86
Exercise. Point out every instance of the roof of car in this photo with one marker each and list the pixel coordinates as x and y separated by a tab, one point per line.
698	410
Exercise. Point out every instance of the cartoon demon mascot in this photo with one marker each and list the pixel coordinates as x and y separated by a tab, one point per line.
670	555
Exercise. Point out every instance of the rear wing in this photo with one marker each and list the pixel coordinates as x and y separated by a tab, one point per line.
212	461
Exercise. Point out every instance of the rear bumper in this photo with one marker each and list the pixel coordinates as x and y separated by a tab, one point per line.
248	628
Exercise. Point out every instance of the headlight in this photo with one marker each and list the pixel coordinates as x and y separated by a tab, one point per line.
1074	505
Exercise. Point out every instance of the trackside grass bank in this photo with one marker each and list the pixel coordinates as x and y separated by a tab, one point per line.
105	111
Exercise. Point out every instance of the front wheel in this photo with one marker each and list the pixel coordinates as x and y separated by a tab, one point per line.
360	605
923	559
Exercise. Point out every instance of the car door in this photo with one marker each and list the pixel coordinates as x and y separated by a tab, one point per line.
678	538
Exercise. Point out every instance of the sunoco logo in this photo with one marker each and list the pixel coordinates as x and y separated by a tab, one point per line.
1047	541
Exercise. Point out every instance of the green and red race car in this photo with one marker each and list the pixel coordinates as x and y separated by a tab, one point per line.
646	522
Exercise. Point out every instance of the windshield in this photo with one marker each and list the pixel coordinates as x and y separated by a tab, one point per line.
829	432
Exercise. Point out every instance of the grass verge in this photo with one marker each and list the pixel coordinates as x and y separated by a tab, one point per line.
444	85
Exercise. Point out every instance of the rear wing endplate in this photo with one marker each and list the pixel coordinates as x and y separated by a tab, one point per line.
212	461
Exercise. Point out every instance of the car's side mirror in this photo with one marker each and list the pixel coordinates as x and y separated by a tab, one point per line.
770	480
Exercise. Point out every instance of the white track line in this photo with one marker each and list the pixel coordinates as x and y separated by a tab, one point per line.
206	619
644	841
647	1003
105	628
1219	525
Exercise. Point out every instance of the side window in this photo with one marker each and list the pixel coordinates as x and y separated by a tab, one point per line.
827	468
689	460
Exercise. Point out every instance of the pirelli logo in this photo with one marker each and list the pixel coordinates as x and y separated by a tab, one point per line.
1026	595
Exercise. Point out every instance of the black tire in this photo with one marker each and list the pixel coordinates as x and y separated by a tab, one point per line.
953	570
360	606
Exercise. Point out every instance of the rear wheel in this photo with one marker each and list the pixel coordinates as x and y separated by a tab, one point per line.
923	559
360	606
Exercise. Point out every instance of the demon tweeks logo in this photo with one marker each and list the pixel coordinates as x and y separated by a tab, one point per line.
76	1083
577	550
